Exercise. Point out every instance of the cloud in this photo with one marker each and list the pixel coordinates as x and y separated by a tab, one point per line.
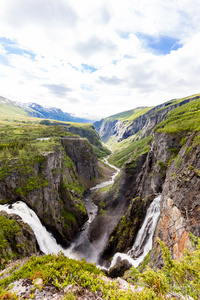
99	53
45	13
73	100
95	45
112	81
106	17
58	90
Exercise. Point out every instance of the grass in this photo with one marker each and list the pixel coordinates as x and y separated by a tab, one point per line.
8	110
177	101
129	149
130	115
185	118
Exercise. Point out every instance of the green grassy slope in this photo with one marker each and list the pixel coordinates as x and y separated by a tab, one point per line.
183	118
8	110
129	115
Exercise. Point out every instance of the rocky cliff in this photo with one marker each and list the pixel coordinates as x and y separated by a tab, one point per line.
52	184
144	123
180	210
170	168
81	153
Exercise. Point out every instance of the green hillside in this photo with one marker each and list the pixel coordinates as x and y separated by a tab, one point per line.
129	115
185	118
9	110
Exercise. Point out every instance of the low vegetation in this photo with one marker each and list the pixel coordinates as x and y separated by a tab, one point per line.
174	279
131	151
8	229
130	115
182	119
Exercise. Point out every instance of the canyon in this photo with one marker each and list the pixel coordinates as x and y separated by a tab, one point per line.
155	162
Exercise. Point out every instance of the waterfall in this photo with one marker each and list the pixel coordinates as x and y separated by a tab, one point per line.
144	239
46	241
81	246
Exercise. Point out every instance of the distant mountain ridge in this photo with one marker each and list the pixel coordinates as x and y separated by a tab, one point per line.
140	120
39	111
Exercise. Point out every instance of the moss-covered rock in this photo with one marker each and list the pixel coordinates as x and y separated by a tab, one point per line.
17	239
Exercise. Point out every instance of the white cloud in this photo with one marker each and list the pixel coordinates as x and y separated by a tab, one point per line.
61	36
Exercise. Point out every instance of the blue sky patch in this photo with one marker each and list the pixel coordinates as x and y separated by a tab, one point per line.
86	87
161	45
4	60
124	35
74	67
89	68
12	48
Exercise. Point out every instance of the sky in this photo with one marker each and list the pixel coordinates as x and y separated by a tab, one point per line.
97	58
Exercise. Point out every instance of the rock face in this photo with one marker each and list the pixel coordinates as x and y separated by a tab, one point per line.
81	153
19	238
119	269
110	128
180	213
146	122
171	169
51	187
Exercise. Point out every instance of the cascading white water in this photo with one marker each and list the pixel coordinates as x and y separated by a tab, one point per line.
81	246
46	241
144	239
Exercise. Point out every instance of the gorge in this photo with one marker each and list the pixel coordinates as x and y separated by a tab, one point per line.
115	213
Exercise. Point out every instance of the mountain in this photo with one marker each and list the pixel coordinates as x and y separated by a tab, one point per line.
13	108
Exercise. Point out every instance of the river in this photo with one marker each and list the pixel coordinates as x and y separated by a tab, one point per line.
81	246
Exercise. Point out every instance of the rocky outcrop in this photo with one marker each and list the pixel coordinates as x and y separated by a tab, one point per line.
85	131
50	186
171	169
180	209
17	238
108	128
80	152
120	267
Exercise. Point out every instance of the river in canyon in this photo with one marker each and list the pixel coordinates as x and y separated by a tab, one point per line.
81	247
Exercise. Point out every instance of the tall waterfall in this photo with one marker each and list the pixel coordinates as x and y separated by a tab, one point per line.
81	246
46	241
144	239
